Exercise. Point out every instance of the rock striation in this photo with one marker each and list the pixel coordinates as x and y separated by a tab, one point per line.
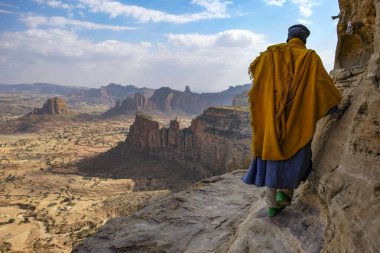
55	105
217	141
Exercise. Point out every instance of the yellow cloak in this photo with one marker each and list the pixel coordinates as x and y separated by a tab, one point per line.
291	92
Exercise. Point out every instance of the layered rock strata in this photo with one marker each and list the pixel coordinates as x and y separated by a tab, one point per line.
216	142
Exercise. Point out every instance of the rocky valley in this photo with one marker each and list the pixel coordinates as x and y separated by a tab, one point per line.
64	173
43	210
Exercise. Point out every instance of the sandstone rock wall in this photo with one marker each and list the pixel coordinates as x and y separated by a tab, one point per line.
347	157
217	141
55	105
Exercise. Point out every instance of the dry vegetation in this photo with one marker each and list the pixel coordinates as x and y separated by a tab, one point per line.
43	211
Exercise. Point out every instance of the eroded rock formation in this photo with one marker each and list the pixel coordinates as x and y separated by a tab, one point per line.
130	106
55	105
218	141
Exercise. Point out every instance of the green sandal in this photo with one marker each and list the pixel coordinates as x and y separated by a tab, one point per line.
272	211
282	199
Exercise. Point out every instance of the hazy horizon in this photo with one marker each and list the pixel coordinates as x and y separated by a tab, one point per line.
103	85
205	44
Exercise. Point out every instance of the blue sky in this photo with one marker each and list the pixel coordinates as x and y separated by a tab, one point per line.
206	44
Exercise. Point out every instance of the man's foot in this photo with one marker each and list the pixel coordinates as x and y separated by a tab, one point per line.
282	199
273	211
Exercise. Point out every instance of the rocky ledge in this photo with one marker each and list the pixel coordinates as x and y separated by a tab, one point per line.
219	214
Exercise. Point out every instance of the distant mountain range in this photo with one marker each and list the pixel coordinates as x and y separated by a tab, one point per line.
129	99
105	94
174	102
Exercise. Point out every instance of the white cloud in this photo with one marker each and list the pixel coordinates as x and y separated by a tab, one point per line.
55	4
275	2
214	9
8	5
229	38
6	12
305	21
35	21
213	6
207	62
305	7
328	58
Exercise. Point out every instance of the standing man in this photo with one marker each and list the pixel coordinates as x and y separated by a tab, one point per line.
291	92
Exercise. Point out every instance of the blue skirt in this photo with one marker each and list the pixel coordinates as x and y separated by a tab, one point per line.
286	174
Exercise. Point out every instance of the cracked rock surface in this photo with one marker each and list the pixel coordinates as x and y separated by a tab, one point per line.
220	214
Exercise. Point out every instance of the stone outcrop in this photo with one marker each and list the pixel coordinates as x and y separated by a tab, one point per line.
217	141
55	105
130	106
335	211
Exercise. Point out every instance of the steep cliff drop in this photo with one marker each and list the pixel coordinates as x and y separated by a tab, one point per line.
335	211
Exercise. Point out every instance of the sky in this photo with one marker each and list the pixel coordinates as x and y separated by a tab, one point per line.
206	44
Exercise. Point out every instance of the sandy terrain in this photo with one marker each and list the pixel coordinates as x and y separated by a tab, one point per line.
42	211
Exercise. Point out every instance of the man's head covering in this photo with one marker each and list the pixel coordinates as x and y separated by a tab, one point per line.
298	31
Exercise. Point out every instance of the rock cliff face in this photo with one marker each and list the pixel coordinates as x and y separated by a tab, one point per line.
172	101
347	157
335	211
52	106
217	141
